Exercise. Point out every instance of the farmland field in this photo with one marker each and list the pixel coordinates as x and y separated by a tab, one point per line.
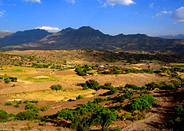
114	85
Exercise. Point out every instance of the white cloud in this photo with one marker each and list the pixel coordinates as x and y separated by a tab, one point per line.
179	14
164	13
48	28
35	1
71	1
118	2
2	13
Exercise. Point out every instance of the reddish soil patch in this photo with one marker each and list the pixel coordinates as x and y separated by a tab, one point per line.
139	79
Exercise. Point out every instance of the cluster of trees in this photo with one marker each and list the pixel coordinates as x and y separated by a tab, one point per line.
92	84
142	103
119	70
83	70
8	79
31	113
83	117
127	95
164	86
120	98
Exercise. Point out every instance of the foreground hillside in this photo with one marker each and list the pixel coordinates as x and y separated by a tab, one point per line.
86	90
87	37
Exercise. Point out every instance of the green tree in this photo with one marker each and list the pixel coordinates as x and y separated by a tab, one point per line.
3	116
92	84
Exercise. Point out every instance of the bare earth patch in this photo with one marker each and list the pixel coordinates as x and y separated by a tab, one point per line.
139	79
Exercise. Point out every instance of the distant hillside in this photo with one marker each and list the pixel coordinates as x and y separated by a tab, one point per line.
3	34
87	37
22	37
180	36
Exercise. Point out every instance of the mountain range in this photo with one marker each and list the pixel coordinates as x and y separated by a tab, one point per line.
180	36
87	37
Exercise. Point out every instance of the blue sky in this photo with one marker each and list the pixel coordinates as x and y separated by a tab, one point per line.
152	17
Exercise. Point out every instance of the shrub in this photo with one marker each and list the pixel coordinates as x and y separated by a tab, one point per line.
111	92
71	100
56	87
142	103
178	110
33	102
134	87
16	106
79	97
43	108
13	79
98	100
92	84
87	115
84	85
6	80
31	107
8	104
26	101
28	115
3	116
81	72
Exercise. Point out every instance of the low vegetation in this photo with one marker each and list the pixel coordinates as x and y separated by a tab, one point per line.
56	87
83	117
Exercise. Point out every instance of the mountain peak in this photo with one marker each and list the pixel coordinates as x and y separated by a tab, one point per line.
67	30
86	28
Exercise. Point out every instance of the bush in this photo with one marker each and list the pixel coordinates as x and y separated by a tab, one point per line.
71	100
43	108
142	103
3	116
79	97
178	110
13	79
111	92
98	100
31	107
81	72
8	104
26	101
87	115
92	84
56	87
134	87
33	102
6	80
16	106
84	85
28	115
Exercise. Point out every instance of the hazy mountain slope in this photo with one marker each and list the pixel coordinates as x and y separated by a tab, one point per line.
22	37
180	36
87	37
3	34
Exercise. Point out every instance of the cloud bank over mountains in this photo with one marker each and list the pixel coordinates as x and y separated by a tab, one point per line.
48	28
